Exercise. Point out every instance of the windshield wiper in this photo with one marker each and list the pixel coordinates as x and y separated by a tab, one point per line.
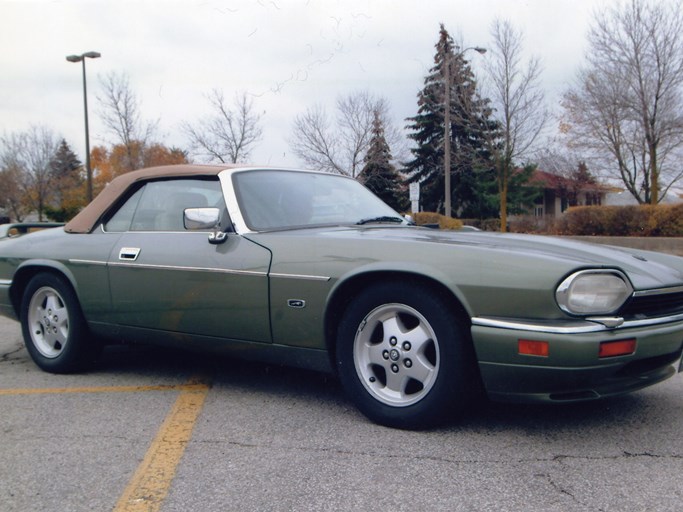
384	218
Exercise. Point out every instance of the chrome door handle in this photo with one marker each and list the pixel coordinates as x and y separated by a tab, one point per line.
129	253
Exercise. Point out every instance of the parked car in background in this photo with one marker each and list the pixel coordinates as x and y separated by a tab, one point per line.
313	270
12	230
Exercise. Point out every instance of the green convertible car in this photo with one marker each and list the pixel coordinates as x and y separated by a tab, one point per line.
312	270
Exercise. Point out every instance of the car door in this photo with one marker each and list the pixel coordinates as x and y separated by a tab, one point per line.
164	277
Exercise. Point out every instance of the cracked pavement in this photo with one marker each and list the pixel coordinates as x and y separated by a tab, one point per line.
279	439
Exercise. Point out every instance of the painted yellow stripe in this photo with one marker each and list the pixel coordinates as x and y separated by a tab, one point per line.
152	479
103	389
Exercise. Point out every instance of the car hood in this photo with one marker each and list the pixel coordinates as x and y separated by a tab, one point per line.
646	270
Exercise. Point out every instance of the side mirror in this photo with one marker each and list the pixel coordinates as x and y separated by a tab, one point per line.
197	219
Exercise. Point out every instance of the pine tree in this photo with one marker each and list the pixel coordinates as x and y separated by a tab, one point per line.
65	161
472	173
69	195
522	192
581	179
378	174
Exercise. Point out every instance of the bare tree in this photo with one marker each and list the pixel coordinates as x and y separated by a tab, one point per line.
120	112
25	162
315	141
517	103
557	159
339	144
627	104
229	134
11	191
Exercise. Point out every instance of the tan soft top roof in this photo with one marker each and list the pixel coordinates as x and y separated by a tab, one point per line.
88	218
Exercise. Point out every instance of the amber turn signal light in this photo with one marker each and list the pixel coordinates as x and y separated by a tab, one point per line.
617	348
533	348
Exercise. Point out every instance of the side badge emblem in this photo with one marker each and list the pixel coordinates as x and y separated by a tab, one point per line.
296	303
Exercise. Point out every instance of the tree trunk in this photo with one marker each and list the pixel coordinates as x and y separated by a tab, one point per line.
503	173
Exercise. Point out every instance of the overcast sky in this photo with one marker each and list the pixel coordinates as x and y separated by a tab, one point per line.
288	54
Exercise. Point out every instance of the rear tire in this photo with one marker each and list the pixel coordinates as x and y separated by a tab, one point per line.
404	358
54	330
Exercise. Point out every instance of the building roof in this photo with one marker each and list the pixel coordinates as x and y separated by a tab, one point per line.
556	182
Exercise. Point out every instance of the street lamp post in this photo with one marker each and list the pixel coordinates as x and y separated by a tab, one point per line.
447	126
81	58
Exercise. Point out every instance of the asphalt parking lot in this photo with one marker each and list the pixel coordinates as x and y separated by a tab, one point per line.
149	429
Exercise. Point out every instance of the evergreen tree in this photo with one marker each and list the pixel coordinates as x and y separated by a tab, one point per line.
68	182
378	174
472	173
522	192
581	179
65	162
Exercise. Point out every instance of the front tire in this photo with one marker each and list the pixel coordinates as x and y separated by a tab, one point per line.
403	357
53	326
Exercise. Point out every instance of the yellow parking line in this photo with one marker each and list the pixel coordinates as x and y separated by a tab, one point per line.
152	479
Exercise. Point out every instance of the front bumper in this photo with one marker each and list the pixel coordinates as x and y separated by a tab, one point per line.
572	371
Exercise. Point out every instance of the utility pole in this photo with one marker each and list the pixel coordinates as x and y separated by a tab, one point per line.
88	169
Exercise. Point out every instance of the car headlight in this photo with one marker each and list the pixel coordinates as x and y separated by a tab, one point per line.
593	292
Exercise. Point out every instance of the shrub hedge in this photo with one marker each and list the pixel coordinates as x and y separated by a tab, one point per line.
641	220
422	218
483	224
637	220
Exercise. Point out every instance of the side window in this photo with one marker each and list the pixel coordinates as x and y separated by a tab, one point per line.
159	205
123	217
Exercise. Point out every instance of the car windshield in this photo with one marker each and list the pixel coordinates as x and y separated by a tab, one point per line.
276	199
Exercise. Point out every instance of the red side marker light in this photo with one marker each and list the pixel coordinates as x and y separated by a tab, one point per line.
533	348
617	348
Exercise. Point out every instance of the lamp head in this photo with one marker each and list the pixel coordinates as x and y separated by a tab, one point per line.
79	58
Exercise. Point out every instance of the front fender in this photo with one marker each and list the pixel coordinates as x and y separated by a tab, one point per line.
397	269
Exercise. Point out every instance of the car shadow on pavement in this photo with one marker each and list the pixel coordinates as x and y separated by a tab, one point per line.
224	372
221	370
